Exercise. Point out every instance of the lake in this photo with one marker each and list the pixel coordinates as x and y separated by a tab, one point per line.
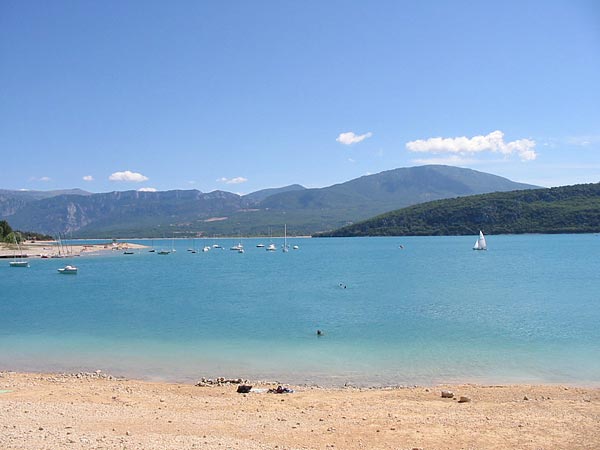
527	310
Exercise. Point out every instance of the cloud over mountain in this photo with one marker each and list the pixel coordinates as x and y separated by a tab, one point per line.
236	180
128	176
493	142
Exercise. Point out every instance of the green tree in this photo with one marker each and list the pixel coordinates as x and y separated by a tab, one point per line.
5	229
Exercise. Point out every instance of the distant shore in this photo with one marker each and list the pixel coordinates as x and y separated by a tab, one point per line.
96	410
49	249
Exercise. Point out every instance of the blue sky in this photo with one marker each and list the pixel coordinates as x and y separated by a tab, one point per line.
241	96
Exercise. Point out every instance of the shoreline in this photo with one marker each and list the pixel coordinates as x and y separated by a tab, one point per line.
85	410
49	249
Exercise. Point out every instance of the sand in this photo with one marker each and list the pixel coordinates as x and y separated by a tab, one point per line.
50	411
45	248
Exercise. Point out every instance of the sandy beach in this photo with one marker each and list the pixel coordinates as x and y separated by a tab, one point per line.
50	411
50	248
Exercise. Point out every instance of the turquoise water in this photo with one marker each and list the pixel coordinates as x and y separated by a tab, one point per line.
527	310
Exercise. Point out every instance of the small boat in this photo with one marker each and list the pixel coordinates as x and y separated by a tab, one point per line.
163	252
151	251
260	245
206	249
238	247
241	250
21	262
216	246
480	244
295	247
271	248
68	270
128	252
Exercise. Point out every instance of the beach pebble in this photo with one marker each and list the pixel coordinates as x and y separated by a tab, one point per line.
447	394
464	399
525	398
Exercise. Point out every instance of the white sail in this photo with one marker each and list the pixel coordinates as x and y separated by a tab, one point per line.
480	244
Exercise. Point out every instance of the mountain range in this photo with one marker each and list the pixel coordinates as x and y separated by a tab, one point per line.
191	212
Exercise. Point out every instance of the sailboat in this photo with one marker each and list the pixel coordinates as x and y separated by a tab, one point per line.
14	262
480	244
239	247
271	247
285	247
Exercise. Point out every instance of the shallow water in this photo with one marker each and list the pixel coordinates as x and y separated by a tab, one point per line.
526	310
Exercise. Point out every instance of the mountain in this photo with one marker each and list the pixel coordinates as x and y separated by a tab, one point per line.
395	188
566	209
259	196
306	211
11	201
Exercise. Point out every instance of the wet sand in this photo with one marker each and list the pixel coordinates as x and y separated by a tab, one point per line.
50	411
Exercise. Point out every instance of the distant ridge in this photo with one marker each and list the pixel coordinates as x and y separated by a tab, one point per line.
13	200
191	212
259	196
566	209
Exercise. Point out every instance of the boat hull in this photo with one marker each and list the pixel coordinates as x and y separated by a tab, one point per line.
19	264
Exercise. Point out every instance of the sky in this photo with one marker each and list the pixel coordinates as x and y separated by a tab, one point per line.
247	95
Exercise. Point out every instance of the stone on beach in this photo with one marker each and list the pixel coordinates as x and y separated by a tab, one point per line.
447	394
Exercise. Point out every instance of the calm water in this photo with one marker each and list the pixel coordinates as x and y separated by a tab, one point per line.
527	310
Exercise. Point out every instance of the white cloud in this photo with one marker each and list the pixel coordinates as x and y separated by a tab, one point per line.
88	178
452	160
350	138
128	176
236	180
147	189
351	160
493	142
45	179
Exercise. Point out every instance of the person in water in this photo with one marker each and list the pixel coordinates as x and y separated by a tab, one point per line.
319	333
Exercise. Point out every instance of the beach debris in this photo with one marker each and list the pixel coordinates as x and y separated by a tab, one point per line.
464	399
220	381
244	388
447	394
281	390
98	374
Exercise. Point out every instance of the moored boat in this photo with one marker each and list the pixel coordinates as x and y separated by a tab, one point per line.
68	270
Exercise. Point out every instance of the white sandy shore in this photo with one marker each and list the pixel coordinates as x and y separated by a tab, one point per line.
44	248
50	411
